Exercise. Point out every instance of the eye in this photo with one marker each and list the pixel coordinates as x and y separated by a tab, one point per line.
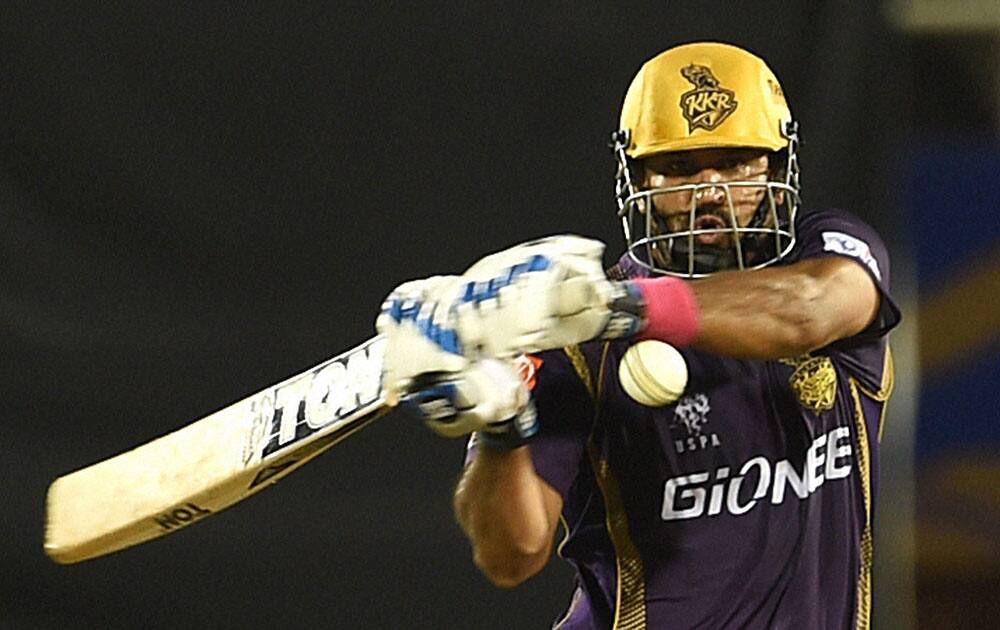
679	167
730	163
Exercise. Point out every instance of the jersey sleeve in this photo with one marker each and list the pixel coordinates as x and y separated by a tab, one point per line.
839	233
565	417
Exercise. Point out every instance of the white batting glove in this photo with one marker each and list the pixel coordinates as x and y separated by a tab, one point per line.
418	340
544	294
423	367
488	398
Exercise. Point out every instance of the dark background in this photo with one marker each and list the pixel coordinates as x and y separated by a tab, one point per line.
199	199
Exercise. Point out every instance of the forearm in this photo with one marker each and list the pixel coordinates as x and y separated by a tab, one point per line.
767	313
763	314
506	511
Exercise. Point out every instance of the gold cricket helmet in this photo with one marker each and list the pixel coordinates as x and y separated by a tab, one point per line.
704	95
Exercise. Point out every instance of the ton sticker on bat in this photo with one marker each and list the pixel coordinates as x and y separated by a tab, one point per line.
299	408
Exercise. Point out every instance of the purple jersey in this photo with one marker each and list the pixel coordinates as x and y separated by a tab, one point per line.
745	504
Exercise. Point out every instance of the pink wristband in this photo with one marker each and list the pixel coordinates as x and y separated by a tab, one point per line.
671	310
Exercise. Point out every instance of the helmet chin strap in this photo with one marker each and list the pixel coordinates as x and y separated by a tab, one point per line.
707	259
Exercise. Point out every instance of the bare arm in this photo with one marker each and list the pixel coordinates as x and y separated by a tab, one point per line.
786	311
509	514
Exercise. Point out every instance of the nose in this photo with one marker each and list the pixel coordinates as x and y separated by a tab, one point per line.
707	194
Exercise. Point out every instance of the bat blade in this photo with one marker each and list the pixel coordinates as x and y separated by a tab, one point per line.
182	477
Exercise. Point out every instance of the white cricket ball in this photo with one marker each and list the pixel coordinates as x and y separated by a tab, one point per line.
653	373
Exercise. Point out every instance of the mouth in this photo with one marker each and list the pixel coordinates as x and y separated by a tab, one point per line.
710	222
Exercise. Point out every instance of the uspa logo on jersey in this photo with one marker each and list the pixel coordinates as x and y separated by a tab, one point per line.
708	104
686	427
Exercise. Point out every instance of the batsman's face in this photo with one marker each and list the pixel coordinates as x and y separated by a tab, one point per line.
714	205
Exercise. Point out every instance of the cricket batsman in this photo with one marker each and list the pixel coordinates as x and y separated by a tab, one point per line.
744	496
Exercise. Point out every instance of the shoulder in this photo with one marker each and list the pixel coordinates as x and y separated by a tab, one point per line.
835	232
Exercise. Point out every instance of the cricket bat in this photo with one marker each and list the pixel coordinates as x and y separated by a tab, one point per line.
182	477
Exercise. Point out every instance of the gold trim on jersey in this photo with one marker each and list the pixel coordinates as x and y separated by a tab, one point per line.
888	379
630	591
884	388
864	468
579	362
600	371
630	595
562	543
863	620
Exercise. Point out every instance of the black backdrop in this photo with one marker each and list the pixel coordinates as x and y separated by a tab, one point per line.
199	199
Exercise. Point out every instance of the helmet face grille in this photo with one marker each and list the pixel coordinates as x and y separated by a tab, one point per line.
699	242
697	250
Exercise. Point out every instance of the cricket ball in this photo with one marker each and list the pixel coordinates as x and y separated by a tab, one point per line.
653	373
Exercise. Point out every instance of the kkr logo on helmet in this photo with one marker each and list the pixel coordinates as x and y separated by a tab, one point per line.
708	104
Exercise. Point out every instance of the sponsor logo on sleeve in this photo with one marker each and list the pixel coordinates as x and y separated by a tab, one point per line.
848	245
